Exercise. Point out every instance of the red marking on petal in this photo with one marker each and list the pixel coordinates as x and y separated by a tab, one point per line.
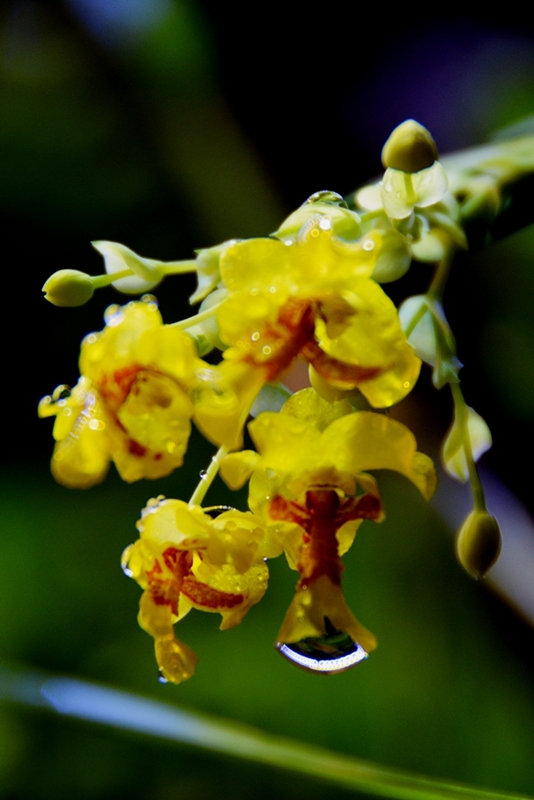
203	595
280	508
283	339
337	372
367	506
136	449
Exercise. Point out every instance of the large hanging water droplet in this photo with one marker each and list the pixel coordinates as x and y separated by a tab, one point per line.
161	677
335	651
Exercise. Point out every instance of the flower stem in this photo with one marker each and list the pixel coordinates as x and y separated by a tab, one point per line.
179	267
190	321
460	408
105	280
208	477
415	320
439	281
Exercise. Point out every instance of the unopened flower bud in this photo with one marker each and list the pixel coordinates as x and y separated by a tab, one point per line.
478	543
409	148
68	287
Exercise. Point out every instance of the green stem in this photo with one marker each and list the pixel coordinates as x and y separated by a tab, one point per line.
439	281
179	267
99	281
190	321
208	477
408	188
415	320
461	411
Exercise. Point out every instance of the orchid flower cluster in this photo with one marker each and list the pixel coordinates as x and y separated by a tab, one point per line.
310	291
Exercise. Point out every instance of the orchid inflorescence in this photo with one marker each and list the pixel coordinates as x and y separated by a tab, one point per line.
310	291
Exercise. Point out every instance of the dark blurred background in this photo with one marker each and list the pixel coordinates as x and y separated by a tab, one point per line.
169	125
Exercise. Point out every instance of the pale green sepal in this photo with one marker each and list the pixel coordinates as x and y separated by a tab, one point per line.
427	330
206	333
208	273
454	458
394	258
430	249
146	273
402	191
271	398
416	321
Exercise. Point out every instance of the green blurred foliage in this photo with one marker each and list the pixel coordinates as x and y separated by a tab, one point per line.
445	693
132	139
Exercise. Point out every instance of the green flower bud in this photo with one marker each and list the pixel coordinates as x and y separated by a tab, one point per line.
69	287
478	543
409	148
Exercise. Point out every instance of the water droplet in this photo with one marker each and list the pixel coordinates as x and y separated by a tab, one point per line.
325	224
124	561
406	384
254	291
255	336
273	289
96	424
150	300
61	393
214	511
266	350
368	244
334	652
325	196
314	232
90	339
203	474
161	677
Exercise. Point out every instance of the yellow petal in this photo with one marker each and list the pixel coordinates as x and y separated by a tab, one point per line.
365	440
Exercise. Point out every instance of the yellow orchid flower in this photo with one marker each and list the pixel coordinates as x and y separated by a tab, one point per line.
185	559
309	483
312	296
132	403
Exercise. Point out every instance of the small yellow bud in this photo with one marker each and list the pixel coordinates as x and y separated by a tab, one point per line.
68	287
409	148
478	544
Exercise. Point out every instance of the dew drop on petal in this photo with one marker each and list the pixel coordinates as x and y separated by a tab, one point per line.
214	511
124	561
161	677
368	244
150	300
203	474
90	339
255	336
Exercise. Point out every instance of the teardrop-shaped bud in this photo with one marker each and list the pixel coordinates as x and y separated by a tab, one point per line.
409	148
478	544
68	288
